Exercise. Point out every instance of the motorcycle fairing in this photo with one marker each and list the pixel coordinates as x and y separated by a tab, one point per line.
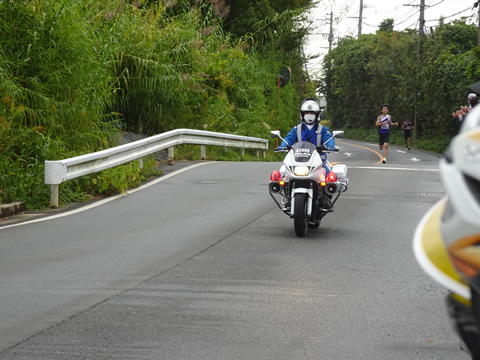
303	153
432	255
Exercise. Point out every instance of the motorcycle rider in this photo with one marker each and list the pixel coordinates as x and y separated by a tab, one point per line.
310	129
447	240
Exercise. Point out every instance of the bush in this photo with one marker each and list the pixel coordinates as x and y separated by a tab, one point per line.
120	178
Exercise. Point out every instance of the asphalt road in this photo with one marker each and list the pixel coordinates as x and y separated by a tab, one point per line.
203	265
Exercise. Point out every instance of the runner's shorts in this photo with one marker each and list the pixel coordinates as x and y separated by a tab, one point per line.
408	134
383	138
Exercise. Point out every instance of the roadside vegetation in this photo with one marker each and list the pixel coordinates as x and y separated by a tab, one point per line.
75	75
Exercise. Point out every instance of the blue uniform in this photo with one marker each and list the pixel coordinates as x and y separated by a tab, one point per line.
311	136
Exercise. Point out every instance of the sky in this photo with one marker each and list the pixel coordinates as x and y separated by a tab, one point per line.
405	13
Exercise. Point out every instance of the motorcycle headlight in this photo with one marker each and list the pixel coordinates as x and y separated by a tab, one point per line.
301	170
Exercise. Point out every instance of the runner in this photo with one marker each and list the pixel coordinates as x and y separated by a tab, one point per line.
407	127
383	123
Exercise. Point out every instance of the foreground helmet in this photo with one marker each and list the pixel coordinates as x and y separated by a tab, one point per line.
447	240
309	111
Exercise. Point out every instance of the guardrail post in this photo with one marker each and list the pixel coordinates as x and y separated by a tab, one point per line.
54	195
243	151
140	165
203	152
170	155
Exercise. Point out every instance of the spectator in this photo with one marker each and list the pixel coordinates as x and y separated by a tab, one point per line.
463	111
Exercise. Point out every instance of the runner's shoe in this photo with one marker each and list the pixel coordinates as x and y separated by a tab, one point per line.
384	160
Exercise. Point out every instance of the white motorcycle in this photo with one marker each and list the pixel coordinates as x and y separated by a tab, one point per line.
302	189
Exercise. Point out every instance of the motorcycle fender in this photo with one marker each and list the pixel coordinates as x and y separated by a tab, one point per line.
302	190
310	199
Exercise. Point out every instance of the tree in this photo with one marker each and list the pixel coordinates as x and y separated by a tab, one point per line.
386	26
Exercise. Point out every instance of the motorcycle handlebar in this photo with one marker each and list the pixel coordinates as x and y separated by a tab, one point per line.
320	149
323	148
283	149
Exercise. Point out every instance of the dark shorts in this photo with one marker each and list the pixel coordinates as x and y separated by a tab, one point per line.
408	134
383	138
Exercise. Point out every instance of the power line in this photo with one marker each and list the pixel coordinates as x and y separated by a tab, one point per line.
408	18
436	3
458	13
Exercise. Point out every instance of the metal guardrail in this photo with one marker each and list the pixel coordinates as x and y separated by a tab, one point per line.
59	171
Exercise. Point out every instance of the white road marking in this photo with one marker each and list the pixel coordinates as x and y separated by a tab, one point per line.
401	151
348	154
415	159
390	168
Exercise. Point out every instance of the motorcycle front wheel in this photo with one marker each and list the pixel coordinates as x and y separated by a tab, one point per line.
300	218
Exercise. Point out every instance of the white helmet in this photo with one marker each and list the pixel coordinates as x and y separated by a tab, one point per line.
309	111
447	240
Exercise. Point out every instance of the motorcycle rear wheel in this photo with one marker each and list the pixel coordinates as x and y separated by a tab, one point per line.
300	217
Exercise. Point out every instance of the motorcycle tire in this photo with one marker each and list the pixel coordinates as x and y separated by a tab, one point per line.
300	218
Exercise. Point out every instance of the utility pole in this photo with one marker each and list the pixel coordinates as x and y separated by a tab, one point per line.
477	4
421	24
421	34
306	63
360	19
330	36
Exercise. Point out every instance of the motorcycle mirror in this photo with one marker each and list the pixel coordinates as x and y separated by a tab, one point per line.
275	134
339	134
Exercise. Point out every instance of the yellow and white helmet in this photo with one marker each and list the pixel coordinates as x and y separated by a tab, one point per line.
447	239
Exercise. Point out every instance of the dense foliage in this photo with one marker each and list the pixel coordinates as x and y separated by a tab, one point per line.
73	74
427	83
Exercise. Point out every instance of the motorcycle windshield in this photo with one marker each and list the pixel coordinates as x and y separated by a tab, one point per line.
303	151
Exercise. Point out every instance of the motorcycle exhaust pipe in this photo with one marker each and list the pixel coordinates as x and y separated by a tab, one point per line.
275	187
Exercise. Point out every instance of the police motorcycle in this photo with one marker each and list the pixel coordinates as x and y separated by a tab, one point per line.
446	242
302	189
